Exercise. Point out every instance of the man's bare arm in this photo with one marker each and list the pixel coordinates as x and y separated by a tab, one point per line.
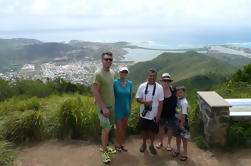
141	101
99	100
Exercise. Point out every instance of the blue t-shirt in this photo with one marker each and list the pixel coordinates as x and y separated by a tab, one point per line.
123	99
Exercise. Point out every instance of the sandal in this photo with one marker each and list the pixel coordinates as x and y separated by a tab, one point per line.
169	149
159	145
175	154
183	158
118	148
124	148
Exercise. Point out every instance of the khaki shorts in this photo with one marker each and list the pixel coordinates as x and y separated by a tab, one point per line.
106	123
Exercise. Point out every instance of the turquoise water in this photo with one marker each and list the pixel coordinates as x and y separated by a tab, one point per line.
139	55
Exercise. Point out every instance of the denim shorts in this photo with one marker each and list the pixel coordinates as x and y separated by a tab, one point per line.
183	133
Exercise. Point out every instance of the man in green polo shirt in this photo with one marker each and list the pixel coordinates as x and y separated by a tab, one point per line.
104	98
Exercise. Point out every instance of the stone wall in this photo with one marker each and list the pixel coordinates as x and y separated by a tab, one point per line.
215	116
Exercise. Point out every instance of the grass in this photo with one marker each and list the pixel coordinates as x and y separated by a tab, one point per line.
23	126
7	155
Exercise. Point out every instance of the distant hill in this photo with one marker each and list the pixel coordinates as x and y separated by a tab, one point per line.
201	82
190	68
17	52
17	43
236	60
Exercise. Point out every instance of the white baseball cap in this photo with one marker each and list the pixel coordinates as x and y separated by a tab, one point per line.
123	69
166	76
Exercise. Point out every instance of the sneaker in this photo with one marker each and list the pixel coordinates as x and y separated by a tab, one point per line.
106	158
142	148
111	150
152	150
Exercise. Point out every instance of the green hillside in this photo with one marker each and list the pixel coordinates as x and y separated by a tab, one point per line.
201	82
236	60
182	66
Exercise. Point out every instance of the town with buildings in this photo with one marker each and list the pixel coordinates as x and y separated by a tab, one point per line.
76	72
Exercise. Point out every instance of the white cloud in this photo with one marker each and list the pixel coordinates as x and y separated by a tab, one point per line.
166	16
39	7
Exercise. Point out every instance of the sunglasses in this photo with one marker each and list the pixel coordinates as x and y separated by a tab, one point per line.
108	59
166	80
126	72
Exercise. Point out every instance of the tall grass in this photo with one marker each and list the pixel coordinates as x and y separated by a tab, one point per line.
78	118
23	126
134	117
7	154
71	118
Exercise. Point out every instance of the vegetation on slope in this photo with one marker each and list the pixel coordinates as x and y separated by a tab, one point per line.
181	66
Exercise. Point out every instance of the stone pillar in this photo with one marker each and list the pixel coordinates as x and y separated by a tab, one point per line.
214	111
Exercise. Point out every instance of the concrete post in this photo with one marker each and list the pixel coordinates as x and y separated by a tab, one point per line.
214	111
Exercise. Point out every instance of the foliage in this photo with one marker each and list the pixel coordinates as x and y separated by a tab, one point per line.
78	118
181	66
14	104
243	75
5	90
231	89
7	155
71	117
134	117
29	104
36	88
238	133
30	88
23	126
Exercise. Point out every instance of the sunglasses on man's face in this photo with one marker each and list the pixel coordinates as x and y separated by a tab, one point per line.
108	59
166	80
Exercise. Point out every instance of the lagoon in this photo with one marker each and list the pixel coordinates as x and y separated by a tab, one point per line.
140	55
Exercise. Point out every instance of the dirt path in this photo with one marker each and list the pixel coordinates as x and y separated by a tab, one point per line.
80	153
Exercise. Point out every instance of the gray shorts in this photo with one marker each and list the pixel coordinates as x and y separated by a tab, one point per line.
106	123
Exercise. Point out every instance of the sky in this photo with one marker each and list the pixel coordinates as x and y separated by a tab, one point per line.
170	22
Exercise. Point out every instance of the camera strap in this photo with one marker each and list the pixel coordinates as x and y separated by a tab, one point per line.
146	90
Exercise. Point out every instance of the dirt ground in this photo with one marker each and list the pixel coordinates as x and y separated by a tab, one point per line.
83	153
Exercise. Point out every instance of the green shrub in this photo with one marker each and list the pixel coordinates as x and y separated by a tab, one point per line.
30	88
236	136
7	155
8	106
239	133
200	142
71	116
78	119
29	104
5	90
243	75
23	126
91	121
14	104
134	117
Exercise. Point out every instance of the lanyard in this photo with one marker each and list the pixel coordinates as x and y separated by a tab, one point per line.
146	90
